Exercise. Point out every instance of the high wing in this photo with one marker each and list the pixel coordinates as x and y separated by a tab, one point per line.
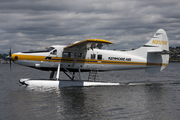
85	45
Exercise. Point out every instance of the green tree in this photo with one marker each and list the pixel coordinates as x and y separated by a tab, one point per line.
3	56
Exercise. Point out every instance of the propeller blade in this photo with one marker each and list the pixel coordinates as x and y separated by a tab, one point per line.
10	52
10	64
9	58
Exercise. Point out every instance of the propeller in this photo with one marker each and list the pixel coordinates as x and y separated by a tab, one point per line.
9	58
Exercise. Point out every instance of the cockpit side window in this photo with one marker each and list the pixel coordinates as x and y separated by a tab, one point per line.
54	52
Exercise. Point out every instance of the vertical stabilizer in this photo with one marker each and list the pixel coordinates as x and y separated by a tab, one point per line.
159	40
157	52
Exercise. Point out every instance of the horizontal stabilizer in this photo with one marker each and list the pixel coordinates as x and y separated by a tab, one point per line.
160	52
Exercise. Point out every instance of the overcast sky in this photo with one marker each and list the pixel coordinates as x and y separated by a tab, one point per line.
36	24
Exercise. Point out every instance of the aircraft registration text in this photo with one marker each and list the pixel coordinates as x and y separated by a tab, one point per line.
159	42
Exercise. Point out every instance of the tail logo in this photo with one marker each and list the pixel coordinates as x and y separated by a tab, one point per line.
159	42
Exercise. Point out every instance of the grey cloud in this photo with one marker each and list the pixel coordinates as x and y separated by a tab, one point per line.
40	23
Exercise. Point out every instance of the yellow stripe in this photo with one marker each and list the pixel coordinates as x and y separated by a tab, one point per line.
87	61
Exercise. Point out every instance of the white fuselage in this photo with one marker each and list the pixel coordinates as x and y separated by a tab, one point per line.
96	59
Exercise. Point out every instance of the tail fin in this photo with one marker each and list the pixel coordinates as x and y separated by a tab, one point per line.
158	52
159	40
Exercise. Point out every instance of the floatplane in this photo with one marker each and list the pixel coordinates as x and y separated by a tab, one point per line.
87	56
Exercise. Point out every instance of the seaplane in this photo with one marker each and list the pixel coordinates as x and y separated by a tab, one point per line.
88	56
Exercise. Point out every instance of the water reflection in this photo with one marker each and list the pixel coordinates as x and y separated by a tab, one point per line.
143	96
62	103
160	103
148	101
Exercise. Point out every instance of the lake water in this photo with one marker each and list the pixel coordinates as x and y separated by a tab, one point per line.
141	96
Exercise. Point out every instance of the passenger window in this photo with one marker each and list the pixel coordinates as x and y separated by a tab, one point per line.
81	55
67	54
99	57
93	56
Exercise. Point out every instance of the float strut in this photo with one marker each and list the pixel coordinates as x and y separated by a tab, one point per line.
73	75
58	70
70	73
52	74
79	73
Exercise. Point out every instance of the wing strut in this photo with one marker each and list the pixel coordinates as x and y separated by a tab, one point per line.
75	57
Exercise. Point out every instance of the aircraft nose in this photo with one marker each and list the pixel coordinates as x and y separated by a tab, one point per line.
14	57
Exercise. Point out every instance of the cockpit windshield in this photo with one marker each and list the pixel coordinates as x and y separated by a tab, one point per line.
50	49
